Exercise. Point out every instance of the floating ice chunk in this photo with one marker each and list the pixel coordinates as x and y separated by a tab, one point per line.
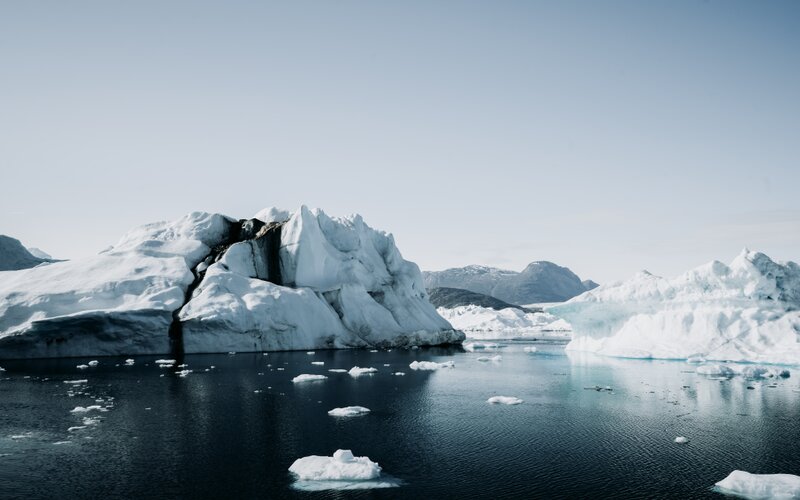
478	346
84	409
318	363
430	365
76	428
343	466
76	382
399	374
129	362
504	400
184	365
82	367
373	350
307	377
754	371
165	363
338	370
757	486
2	369
310	353
349	411
90	420
62	442
696	359
183	373
715	370
486	359
681	440
21	436
357	371
529	348
94	362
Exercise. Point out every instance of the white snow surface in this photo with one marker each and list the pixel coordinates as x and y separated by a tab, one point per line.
485	323
760	486
346	285
746	311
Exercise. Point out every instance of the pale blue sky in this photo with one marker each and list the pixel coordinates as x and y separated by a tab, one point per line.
604	136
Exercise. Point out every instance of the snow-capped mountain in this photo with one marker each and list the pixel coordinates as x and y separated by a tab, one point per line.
746	311
540	281
210	283
14	256
455	297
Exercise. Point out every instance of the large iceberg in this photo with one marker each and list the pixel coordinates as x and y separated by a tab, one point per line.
760	486
210	283
747	311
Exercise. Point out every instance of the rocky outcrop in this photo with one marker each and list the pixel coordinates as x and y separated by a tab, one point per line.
14	256
455	297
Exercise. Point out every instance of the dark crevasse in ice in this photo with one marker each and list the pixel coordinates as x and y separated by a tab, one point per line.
265	243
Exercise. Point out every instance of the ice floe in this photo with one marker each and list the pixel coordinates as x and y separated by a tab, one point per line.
430	365
342	471
349	411
307	377
357	371
504	400
760	486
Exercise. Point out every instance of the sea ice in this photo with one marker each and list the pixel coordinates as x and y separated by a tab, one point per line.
358	371
760	486
84	409
505	400
343	466
348	411
681	440
338	370
307	377
318	363
430	365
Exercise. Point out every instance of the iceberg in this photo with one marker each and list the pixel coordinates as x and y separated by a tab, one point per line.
209	283
307	377
357	371
342	471
747	311
760	486
430	365
349	411
479	322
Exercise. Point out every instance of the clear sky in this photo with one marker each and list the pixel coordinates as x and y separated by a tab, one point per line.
605	136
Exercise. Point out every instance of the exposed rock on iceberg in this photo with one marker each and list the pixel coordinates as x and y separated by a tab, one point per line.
210	283
14	256
760	486
748	311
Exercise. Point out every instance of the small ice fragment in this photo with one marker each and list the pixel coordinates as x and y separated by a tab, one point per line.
348	411
164	363
183	373
357	371
94	362
386	364
62	442
747	485
338	370
430	365
695	359
681	440
399	374
307	377
76	428
495	359
715	370
182	366
84	409
310	353
280	369
82	367
343	466
81	381
129	362
232	353
505	400
530	349
318	363
373	350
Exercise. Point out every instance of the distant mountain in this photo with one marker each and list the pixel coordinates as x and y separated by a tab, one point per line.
39	254
540	281
454	297
14	256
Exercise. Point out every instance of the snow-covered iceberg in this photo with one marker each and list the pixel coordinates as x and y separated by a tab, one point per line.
747	311
342	471
486	323
210	283
760	486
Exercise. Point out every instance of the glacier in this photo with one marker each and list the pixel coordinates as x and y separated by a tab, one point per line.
479	322
748	311
211	283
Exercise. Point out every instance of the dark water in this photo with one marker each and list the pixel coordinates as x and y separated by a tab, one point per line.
210	435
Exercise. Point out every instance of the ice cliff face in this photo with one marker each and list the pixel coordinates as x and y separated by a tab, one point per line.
747	311
209	283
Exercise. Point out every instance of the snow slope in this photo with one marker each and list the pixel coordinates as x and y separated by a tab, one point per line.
483	322
748	311
337	283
